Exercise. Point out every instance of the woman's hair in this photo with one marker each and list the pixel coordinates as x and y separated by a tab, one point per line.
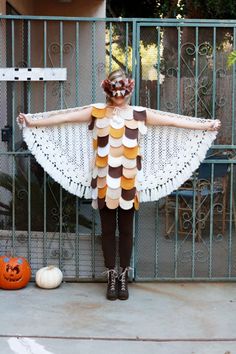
117	73
124	87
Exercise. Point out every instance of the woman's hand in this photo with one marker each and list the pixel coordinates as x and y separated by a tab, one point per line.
24	120
214	125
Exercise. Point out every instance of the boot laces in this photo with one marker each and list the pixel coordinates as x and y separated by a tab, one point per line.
123	278
112	275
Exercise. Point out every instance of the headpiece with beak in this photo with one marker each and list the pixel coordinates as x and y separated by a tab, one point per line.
118	88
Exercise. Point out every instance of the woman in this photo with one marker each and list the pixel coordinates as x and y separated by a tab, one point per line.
117	177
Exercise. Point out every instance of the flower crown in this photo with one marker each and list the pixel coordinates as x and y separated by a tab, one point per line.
115	88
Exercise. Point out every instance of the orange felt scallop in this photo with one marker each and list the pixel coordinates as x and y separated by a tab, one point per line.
98	112
131	153
102	192
116	133
127	183
101	161
95	144
136	202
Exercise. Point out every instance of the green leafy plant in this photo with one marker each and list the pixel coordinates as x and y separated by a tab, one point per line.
231	58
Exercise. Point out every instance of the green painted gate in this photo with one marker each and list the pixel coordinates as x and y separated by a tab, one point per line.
179	66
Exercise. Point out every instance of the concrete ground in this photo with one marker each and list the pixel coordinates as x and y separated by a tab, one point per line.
173	318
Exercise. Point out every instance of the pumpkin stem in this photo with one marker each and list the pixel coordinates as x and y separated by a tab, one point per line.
51	267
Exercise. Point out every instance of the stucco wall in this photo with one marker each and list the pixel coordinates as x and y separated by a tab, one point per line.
78	8
81	8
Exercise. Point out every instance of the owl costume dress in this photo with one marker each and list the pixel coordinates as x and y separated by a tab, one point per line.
117	159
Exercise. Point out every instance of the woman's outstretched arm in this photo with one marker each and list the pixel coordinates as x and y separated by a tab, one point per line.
83	115
159	119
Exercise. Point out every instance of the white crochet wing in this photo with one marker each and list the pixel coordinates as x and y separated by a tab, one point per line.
170	156
64	151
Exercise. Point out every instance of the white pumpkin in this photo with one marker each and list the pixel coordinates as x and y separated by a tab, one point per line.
48	277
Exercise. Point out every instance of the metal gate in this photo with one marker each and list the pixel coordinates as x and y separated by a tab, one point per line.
179	66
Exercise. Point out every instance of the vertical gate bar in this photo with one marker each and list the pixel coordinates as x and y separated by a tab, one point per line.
29	157
214	74
77	201
94	98
211	221
178	71
126	47
136	61
13	141
61	192
93	64
157	223
230	220
158	66
177	196
110	46
77	101
176	235
29	248
135	243
44	173
233	94
77	240
194	225
196	72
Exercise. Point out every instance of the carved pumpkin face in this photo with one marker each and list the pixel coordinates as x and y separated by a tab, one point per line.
15	272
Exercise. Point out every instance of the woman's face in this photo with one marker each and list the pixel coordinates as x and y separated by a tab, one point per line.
118	100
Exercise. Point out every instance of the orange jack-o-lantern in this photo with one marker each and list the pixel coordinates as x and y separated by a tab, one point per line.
15	272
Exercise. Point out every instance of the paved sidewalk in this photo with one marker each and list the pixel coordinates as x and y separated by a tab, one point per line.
173	318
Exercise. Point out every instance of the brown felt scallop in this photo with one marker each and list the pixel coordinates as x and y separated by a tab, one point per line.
94	182
115	172
103	140
140	115
101	203
91	124
128	194
139	162
131	133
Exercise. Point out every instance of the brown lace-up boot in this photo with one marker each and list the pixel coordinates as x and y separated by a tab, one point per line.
123	292
112	286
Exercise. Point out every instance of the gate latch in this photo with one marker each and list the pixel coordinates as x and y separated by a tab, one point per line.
6	133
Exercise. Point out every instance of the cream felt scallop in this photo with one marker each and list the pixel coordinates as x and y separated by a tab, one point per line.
48	277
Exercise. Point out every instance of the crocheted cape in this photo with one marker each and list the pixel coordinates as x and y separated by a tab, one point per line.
170	155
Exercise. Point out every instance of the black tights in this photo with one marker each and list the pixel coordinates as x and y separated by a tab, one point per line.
125	225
